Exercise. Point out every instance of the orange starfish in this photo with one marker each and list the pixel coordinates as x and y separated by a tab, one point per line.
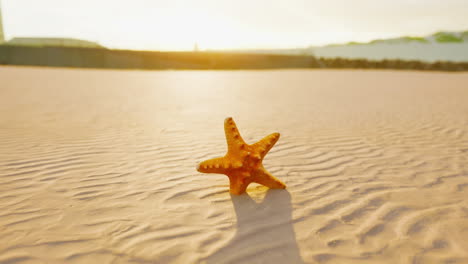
243	163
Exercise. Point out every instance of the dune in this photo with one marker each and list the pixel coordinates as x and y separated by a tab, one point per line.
98	166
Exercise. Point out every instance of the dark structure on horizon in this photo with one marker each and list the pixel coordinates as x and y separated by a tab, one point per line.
127	59
150	60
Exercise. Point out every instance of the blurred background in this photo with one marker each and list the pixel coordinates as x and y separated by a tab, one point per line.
206	34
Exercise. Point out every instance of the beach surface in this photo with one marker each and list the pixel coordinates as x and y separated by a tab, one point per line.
98	166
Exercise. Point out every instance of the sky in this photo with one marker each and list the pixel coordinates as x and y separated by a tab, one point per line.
230	24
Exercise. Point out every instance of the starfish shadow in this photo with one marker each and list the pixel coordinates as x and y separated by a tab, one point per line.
265	232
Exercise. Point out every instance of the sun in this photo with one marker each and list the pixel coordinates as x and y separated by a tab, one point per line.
207	31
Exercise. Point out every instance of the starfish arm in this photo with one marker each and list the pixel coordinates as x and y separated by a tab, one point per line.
264	145
238	182
263	177
233	137
217	165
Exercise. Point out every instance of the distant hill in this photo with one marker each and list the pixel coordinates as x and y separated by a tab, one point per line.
54	42
441	37
441	46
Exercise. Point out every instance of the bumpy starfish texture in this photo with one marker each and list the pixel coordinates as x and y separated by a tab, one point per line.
242	162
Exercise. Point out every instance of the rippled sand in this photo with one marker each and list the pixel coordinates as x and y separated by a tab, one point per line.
99	167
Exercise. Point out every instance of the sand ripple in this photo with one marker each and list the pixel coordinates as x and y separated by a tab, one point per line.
98	167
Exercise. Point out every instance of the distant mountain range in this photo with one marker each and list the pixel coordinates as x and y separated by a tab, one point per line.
440	46
436	38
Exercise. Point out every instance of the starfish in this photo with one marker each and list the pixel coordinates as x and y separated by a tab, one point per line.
242	162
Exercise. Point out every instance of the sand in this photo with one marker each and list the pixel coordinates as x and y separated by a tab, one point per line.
98	166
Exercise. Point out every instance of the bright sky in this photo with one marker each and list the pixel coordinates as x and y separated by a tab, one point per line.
230	24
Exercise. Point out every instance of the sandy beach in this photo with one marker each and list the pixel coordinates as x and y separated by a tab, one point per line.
98	166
